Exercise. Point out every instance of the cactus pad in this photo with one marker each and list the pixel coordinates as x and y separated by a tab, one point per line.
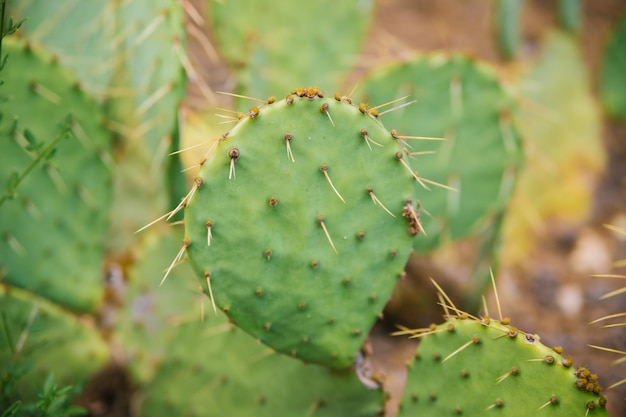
563	132
52	232
44	338
508	15
612	83
226	373
300	221
273	49
146	326
471	367
464	102
58	25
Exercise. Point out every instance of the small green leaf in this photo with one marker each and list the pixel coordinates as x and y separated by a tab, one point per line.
30	137
50	154
48	386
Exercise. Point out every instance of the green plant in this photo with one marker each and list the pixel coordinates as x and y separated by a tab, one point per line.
298	223
329	188
612	82
494	366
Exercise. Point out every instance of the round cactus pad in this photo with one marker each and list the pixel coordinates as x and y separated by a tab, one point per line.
470	367
301	221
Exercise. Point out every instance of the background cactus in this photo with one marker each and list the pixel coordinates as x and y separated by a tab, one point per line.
508	21
59	211
40	337
156	331
566	149
270	52
456	97
130	58
332	198
498	368
241	376
612	82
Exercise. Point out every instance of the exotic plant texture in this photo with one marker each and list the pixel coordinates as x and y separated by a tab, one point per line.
300	222
470	366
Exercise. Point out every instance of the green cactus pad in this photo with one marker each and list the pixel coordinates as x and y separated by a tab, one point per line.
563	133
42	338
215	369
570	14
148	321
471	368
274	48
150	74
464	102
281	219
508	16
612	81
153	52
79	34
52	232
130	56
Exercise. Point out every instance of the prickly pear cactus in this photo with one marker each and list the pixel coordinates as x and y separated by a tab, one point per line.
468	366
148	321
228	373
564	144
570	15
271	50
301	222
39	337
508	15
58	215
130	56
612	83
79	34
474	164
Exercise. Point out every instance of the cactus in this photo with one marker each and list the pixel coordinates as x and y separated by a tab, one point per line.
329	194
149	317
41	338
612	83
299	221
269	51
130	58
562	128
79	34
219	370
472	366
463	102
570	15
614	320
508	16
59	213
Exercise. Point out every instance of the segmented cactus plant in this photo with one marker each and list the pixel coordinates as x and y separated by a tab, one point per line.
63	201
470	366
298	224
331	198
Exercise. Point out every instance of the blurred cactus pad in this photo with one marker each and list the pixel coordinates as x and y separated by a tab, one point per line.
58	212
272	51
461	108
